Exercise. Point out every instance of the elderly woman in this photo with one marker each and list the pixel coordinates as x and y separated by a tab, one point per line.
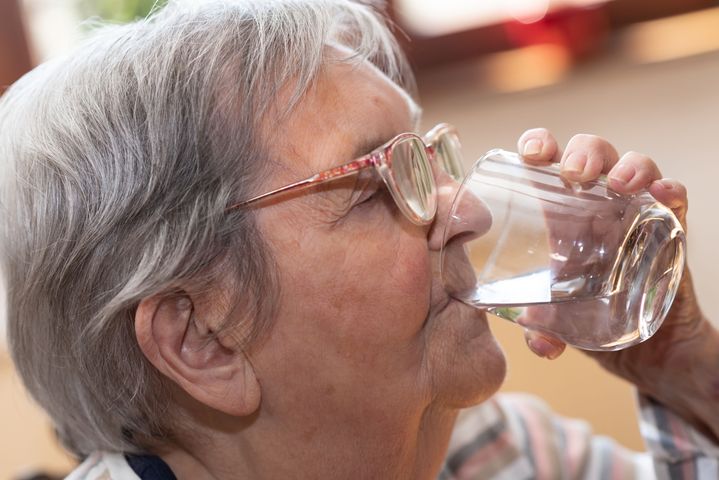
214	272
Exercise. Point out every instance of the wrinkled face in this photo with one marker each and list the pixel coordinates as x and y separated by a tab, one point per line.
365	330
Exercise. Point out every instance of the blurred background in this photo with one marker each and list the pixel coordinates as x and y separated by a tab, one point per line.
642	73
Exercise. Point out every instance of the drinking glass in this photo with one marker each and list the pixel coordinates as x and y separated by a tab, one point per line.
594	268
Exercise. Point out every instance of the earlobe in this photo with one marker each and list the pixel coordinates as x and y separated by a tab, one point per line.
186	350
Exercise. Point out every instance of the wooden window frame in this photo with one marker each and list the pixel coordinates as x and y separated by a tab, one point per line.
15	59
426	52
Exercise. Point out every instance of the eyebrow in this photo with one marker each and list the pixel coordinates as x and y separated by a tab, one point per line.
371	143
367	145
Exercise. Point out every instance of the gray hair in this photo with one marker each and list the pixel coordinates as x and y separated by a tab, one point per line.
117	164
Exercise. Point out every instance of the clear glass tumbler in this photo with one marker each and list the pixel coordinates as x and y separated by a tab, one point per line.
597	269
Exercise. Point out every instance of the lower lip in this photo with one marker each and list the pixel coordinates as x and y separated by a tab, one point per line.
477	315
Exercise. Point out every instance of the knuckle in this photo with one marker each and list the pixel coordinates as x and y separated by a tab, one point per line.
642	162
541	133
593	146
587	140
633	156
538	131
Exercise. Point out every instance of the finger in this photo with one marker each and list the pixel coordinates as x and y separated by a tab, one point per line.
672	194
587	157
538	147
543	345
632	173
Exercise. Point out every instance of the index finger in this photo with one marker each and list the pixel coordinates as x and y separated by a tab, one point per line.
587	157
538	147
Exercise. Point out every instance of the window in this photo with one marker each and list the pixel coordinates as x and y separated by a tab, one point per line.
442	17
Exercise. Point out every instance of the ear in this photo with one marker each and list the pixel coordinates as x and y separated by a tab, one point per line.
178	340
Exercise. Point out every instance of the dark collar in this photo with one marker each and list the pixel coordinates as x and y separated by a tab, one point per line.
150	467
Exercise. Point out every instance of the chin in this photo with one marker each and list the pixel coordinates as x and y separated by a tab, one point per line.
474	363
483	372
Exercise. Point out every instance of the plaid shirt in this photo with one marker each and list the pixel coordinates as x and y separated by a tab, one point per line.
517	437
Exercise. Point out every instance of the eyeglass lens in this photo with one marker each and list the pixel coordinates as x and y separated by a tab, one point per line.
413	177
449	155
413	173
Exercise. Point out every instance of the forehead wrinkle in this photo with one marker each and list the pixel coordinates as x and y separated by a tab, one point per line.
334	124
415	111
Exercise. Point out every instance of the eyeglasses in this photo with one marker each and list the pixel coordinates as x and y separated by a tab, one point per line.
404	165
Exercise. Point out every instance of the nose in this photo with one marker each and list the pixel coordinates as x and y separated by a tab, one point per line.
460	219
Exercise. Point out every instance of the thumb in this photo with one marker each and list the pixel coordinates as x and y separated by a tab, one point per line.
543	345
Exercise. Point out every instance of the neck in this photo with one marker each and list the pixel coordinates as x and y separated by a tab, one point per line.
316	446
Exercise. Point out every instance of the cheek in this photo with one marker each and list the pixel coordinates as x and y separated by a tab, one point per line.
398	258
380	293
390	261
409	276
361	289
352	309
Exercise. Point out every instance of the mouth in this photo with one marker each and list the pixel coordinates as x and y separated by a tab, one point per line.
453	274
441	306
446	303
448	273
457	274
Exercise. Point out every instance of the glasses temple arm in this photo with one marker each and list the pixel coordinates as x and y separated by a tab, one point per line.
335	173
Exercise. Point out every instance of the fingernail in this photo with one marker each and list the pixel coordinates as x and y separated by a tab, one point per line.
544	348
575	164
531	147
623	174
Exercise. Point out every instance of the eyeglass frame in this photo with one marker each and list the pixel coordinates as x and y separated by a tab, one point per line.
381	159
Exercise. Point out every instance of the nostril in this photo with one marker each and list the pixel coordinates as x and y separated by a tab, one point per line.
469	218
465	235
460	214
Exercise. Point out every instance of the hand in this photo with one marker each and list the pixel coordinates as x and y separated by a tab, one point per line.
679	365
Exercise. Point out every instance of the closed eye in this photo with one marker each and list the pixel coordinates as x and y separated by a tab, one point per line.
370	196
367	189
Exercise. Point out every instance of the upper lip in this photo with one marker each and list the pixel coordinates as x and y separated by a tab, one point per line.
441	305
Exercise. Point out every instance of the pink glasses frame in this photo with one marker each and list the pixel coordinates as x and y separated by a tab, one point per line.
381	160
